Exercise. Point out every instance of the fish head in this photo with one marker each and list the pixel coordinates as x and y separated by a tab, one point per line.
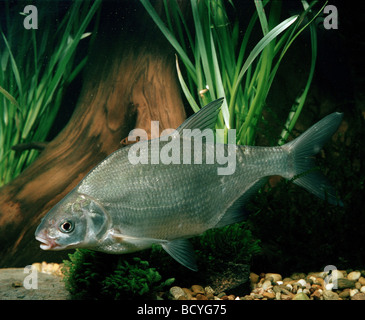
77	221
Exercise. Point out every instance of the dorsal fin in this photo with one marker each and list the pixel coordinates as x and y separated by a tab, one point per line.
205	118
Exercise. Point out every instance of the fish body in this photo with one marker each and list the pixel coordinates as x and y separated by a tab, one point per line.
121	206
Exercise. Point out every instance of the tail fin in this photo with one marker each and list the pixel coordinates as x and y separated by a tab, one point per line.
301	161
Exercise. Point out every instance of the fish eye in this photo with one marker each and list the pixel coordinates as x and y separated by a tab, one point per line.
67	226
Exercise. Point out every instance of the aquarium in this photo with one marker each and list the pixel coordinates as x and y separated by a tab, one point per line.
182	150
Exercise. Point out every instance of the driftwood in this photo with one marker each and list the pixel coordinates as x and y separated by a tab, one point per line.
129	81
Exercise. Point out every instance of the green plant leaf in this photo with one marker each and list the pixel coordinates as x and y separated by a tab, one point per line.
185	89
257	49
169	36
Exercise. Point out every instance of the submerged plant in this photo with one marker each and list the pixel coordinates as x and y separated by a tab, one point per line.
217	63
93	275
133	280
35	68
233	243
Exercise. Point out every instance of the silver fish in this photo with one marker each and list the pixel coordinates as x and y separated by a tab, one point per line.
120	207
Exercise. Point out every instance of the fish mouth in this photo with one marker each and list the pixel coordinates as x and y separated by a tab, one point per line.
47	244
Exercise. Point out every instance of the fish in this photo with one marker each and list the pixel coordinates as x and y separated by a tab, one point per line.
124	206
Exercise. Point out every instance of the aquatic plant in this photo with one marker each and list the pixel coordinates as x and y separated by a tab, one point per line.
93	275
36	66
213	56
233	243
134	280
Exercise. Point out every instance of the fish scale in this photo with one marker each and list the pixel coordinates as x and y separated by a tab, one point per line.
124	205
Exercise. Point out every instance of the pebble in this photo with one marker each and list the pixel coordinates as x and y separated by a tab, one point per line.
210	296
358	296
269	295
302	282
285	291
275	277
277	289
362	281
301	296
330	295
354	275
188	293
316	287
287	280
317	295
209	290
254	278
345	283
266	285
176	292
345	294
196	289
319	281
200	296
289	286
353	292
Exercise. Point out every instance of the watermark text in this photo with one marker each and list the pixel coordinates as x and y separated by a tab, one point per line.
192	146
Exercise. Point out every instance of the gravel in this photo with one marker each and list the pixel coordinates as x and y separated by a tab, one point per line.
18	284
299	286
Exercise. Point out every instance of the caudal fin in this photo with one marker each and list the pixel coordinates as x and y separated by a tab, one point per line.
301	158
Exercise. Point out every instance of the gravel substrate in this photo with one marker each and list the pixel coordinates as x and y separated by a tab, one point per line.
338	285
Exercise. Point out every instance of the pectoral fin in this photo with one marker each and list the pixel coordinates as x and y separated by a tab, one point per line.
182	251
120	237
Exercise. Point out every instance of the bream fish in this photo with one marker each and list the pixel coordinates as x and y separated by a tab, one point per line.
122	207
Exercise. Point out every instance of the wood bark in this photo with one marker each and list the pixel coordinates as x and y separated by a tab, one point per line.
130	80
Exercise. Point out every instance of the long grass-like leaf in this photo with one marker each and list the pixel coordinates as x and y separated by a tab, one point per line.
219	86
257	49
169	36
299	103
201	46
185	89
14	66
8	96
262	17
